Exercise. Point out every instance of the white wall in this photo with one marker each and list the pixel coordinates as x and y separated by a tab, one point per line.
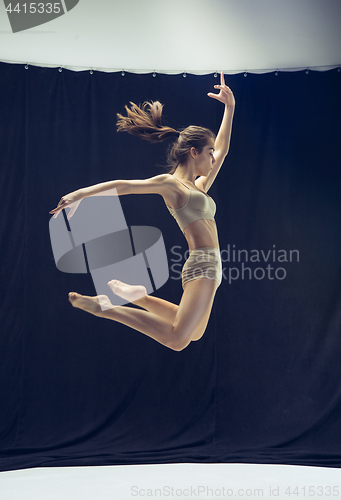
198	36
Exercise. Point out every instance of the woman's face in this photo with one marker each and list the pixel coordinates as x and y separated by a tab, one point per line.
205	160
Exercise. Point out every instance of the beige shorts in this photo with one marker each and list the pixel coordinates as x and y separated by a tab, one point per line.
202	263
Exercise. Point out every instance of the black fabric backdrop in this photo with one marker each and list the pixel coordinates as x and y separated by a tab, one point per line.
263	385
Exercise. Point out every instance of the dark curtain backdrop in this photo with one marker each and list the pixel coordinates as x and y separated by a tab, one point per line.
263	385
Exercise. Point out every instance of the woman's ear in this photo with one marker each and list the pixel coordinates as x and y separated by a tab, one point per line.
193	153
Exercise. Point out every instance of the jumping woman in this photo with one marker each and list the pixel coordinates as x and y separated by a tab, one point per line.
196	157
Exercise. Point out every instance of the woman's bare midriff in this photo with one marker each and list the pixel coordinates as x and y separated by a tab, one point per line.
201	233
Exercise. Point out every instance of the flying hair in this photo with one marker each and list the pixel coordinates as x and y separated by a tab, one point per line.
144	121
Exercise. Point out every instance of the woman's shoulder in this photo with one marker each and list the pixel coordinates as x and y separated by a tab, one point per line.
167	181
163	178
173	193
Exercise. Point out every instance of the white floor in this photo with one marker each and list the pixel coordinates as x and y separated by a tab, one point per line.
180	481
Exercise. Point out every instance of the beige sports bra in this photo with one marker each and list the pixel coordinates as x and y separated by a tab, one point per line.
198	206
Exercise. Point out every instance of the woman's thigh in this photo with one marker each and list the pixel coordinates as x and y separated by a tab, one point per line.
194	309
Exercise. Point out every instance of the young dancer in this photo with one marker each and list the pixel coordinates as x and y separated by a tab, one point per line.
196	157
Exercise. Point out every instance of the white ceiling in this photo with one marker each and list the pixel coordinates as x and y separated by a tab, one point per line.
172	36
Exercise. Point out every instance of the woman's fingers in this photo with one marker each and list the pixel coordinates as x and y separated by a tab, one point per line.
66	202
224	91
59	206
215	96
55	213
222	79
58	209
62	204
223	87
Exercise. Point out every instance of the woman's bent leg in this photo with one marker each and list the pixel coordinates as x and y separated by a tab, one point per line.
138	295
160	307
190	320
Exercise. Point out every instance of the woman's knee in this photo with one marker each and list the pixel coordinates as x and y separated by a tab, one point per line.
182	337
177	343
197	337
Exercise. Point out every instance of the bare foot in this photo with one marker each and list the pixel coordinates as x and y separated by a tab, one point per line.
93	305
131	293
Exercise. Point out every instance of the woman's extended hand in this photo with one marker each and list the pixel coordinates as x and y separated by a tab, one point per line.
71	201
225	95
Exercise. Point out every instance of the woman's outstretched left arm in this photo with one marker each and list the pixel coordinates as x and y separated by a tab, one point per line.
222	142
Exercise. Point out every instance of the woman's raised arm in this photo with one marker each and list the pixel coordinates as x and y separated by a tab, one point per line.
222	142
159	184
